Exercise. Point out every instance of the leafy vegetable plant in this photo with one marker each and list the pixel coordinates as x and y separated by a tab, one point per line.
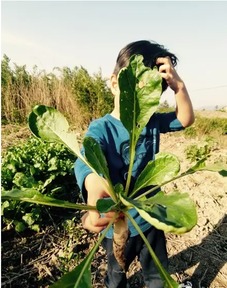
175	212
46	167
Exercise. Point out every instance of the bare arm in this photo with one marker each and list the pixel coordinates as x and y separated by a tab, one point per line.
184	109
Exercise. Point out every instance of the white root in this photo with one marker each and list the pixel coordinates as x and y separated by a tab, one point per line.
120	238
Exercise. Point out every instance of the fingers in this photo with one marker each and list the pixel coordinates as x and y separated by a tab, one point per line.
93	222
165	65
87	224
110	214
163	60
168	72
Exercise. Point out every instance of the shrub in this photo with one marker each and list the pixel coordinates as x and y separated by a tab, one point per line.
196	153
80	96
208	126
47	167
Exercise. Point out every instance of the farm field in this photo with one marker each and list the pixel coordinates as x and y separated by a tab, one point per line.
37	259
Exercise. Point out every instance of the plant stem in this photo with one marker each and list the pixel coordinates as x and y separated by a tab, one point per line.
93	251
188	172
44	200
110	190
133	141
132	156
163	273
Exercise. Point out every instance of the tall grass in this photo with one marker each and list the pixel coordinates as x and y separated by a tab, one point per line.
205	126
80	96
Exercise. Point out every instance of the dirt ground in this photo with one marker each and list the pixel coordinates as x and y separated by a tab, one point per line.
201	254
37	259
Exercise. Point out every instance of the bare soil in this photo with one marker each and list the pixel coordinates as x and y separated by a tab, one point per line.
33	259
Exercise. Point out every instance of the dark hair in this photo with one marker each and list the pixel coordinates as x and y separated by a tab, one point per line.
150	51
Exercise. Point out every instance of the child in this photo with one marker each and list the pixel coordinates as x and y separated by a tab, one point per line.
114	140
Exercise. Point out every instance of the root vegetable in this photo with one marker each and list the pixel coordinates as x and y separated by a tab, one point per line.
120	238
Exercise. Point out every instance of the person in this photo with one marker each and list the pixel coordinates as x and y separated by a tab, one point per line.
114	141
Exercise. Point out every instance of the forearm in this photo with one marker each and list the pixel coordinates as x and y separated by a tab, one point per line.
81	172
94	188
184	109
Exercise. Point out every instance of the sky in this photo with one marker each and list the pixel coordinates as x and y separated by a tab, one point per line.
90	34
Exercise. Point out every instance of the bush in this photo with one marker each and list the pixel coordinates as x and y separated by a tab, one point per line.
46	167
207	126
196	153
80	96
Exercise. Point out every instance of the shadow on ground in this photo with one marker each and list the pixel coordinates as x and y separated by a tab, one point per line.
209	257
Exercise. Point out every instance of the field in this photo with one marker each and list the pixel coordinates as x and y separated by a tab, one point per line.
32	259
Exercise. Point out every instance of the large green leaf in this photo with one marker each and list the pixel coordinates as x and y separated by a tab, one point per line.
174	212
34	196
105	205
140	91
162	169
50	125
96	159
95	156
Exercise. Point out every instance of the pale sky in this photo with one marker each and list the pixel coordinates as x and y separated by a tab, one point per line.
91	33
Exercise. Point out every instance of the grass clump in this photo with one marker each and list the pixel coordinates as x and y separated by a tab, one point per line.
213	127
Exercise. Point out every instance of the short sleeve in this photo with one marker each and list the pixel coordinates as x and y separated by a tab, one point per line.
168	122
81	170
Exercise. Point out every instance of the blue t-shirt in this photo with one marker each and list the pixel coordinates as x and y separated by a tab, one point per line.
113	138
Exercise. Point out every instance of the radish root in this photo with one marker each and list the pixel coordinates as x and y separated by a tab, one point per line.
120	238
